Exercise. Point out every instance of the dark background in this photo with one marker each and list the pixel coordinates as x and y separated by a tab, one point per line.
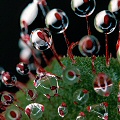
10	11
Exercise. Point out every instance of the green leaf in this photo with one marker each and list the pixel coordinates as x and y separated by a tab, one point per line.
84	64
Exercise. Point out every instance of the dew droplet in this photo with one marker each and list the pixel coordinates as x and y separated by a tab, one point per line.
34	111
56	20
7	99
41	39
9	79
83	8
13	113
22	68
89	45
103	84
114	7
105	22
48	84
31	94
62	110
101	110
71	75
80	97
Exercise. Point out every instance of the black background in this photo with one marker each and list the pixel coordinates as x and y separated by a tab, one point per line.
10	11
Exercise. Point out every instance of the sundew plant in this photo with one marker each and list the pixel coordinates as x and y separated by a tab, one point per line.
84	86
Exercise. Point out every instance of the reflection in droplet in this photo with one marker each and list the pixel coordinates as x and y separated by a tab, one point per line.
31	94
114	7
80	97
34	111
13	113
57	21
89	45
62	110
103	84
101	110
105	22
47	83
9	79
41	39
22	68
7	98
71	75
83	8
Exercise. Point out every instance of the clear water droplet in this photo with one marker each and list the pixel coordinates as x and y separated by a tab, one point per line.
41	39
105	22
9	79
89	45
13	113
103	84
34	111
80	97
101	110
83	8
62	110
114	7
56	20
31	94
7	99
22	68
48	84
71	75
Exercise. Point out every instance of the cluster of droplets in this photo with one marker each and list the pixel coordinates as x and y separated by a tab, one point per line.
57	21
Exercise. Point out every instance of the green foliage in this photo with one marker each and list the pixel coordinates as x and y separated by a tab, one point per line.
66	92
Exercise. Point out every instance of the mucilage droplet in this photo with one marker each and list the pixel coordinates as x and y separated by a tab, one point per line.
83	8
114	7
71	75
13	113
80	97
31	94
57	21
62	110
41	39
7	99
105	22
103	84
101	110
34	111
9	79
89	45
22	68
47	83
